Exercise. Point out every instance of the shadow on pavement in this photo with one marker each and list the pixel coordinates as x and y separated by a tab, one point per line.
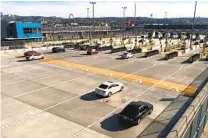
109	52
185	62
167	99
161	59
112	124
91	96
119	58
22	60
84	54
141	57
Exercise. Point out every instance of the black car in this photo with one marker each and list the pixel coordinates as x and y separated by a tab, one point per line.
58	49
134	112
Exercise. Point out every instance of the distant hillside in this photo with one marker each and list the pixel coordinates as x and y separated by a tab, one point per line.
112	20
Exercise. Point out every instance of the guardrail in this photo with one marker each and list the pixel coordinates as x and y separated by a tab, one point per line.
192	123
193	120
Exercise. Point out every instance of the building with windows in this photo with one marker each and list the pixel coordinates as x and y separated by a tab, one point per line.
22	30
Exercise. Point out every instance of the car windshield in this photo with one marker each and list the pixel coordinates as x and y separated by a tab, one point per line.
130	111
103	86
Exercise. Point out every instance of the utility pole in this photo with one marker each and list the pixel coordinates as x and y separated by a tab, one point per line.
192	32
93	12
124	10
135	25
93	15
166	38
88	12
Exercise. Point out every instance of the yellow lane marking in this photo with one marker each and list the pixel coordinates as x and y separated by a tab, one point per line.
129	77
16	54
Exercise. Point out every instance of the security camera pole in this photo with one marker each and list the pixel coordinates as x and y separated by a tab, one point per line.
124	10
192	32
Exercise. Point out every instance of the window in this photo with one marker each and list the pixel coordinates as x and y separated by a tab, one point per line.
32	30
38	30
26	30
103	86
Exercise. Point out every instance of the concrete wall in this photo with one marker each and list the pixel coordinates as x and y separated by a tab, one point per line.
193	121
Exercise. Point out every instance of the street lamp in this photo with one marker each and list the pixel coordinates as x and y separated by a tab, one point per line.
93	12
191	48
93	15
88	12
135	25
124	10
166	37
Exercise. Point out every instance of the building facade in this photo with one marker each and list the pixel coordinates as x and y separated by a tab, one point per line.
22	30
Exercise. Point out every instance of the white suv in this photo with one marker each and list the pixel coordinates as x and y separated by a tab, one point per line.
108	88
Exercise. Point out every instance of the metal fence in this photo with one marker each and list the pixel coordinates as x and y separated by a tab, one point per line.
199	121
193	121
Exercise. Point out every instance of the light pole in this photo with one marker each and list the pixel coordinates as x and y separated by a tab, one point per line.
192	32
166	38
93	12
124	10
88	12
93	15
135	25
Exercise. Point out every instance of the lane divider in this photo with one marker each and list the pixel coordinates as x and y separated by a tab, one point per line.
190	90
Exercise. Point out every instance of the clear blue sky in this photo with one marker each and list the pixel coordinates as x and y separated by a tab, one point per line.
104	9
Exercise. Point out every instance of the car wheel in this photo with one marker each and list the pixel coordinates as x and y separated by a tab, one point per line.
109	94
139	120
122	87
32	59
64	50
42	58
150	111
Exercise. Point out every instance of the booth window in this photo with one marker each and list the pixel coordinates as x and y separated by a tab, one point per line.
32	30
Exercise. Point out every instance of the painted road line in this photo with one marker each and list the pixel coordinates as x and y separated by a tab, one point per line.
115	74
49	74
33	114
65	82
121	106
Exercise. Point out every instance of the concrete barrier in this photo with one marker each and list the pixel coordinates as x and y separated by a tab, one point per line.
183	123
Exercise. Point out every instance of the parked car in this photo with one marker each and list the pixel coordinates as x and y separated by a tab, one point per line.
92	51
58	49
134	112
32	55
108	88
127	55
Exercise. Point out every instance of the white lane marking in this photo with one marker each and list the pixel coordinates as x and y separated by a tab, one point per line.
40	77
66	81
104	117
36	113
